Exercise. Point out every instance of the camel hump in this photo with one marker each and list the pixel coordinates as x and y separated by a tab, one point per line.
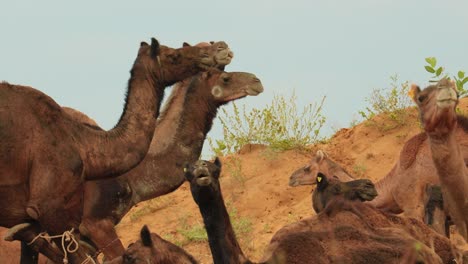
410	150
81	117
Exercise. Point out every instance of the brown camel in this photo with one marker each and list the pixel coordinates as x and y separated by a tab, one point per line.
43	148
151	248
437	111
403	189
328	189
345	232
107	201
306	175
185	124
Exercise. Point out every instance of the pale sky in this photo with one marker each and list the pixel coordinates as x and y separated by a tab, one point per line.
80	52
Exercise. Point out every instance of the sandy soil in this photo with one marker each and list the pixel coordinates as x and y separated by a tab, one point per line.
255	186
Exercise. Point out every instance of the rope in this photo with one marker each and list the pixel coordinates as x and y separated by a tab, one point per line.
88	259
67	236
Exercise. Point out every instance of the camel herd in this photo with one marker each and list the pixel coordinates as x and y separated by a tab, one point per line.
62	176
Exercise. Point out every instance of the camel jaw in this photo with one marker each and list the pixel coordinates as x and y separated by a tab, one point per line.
446	103
204	180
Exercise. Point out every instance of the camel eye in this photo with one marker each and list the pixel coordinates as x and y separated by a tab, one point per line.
128	259
226	79
421	98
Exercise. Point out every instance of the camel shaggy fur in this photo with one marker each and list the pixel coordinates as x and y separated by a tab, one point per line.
44	148
329	189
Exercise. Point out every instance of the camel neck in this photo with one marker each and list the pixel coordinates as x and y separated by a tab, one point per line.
186	125
448	158
221	237
120	149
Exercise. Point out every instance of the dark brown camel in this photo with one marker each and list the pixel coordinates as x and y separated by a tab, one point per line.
152	249
437	111
345	232
434	213
113	198
46	155
329	189
185	124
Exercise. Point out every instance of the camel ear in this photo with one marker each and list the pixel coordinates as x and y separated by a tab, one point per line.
217	162
143	44
320	155
413	92
154	48
146	237
185	44
188	175
212	42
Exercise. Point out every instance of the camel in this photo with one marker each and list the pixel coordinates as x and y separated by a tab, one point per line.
437	111
306	175
328	189
345	232
43	148
403	189
434	213
151	248
185	124
107	201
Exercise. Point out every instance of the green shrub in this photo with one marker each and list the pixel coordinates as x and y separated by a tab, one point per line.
279	125
391	102
438	73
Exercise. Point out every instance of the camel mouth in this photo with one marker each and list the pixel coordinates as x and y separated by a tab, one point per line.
293	183
204	180
446	102
224	56
254	90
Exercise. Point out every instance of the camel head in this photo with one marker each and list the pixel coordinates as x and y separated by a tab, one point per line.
168	64
437	105
222	58
152	249
202	176
307	174
222	87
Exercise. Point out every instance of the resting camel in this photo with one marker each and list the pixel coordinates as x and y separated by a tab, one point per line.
328	189
437	111
46	155
403	189
152	249
345	232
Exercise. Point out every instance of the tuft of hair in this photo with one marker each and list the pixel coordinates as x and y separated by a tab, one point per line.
154	48
146	236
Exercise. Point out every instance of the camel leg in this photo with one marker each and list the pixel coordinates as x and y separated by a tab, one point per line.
27	233
434	214
28	255
102	233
